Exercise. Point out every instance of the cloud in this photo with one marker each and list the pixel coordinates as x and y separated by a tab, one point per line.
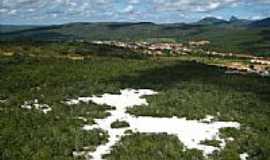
164	10
3	10
191	5
134	1
263	1
16	4
129	8
12	12
99	5
256	17
31	10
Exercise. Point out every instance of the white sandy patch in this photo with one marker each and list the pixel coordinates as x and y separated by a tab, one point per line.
230	139
79	153
72	102
127	98
35	104
190	132
243	156
81	118
208	119
3	101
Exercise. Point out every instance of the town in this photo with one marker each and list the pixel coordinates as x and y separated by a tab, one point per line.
257	65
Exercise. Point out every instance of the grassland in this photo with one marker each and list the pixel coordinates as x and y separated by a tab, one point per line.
187	89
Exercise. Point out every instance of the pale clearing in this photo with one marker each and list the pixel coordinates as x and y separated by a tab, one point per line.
190	132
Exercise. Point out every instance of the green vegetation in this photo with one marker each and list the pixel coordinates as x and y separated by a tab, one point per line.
237	40
32	135
66	50
119	124
224	37
151	147
186	89
214	143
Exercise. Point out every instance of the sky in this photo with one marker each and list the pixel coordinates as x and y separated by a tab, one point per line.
44	12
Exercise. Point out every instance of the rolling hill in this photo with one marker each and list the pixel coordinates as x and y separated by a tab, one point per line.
235	35
261	23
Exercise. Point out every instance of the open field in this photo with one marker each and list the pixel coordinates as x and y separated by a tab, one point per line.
186	89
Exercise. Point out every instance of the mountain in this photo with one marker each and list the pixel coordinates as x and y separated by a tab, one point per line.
261	23
235	35
211	21
209	27
239	22
234	19
101	31
14	28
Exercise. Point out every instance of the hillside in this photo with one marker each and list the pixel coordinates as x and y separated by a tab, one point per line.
14	28
234	36
261	23
211	21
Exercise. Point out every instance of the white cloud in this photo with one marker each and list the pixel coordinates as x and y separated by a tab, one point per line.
31	10
129	8
192	5
54	15
134	1
12	12
3	10
256	17
263	1
102	10
101	5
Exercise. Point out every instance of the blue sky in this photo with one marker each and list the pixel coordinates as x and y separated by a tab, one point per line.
158	11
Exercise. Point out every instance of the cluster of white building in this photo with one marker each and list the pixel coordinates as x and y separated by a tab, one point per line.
150	48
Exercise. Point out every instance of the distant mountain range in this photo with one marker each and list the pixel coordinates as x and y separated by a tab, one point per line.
211	21
235	21
261	23
205	21
234	35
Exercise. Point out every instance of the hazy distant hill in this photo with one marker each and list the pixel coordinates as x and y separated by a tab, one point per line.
261	23
13	28
102	31
240	22
234	35
211	21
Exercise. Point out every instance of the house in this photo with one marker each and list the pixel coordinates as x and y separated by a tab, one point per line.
199	43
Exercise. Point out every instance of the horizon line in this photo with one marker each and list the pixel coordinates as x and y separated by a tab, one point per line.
65	23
